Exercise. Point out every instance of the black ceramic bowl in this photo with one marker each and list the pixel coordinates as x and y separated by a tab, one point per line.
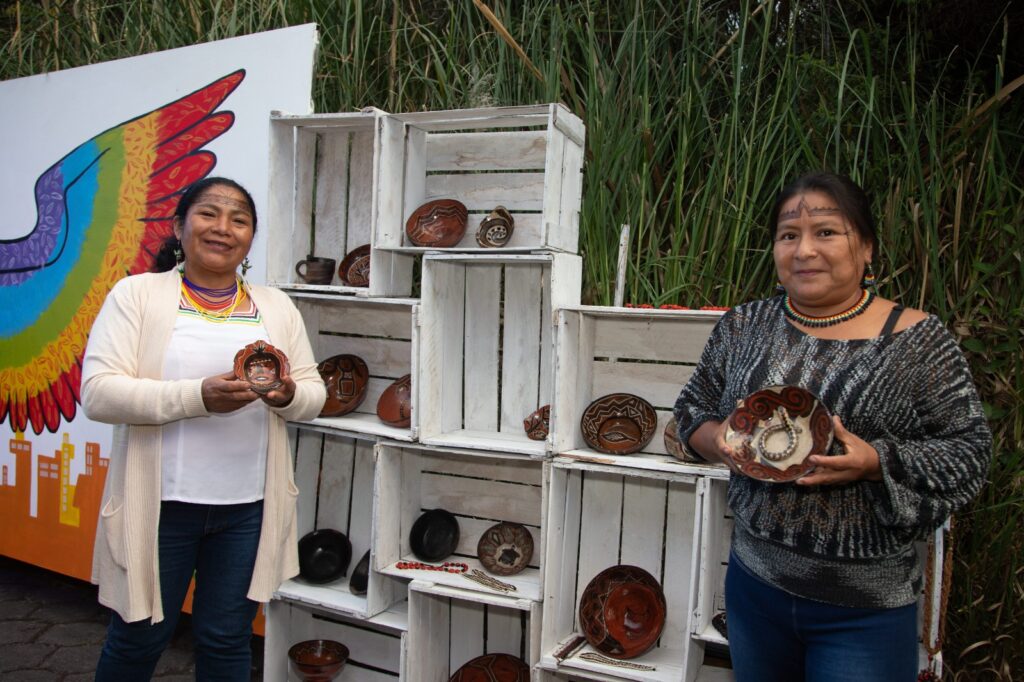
324	555
360	576
435	535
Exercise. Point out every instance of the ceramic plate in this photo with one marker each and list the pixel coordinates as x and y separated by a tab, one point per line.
775	430
434	535
345	377
505	548
493	668
622	611
619	423
354	270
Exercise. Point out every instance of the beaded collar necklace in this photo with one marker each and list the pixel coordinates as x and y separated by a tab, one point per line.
829	320
213	304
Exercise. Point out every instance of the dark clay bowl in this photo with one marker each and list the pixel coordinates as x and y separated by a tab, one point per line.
438	224
622	611
360	576
493	668
619	423
317	660
346	378
434	535
354	270
394	407
324	555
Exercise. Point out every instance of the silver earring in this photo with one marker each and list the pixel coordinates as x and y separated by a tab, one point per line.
246	266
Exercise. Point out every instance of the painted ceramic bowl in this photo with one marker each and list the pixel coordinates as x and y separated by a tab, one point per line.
537	423
619	423
434	535
394	406
354	270
440	223
324	555
496	229
317	660
505	548
360	576
493	668
774	431
346	378
622	611
262	366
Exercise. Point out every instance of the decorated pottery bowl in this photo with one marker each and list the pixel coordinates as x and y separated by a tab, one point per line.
493	668
317	660
496	229
774	431
346	378
324	555
394	406
618	424
262	366
440	223
434	535
360	576
354	270
622	611
537	423
505	548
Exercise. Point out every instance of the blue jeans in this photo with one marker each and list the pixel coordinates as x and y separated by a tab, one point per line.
218	543
777	637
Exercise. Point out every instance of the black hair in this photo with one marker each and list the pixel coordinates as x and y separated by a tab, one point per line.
166	259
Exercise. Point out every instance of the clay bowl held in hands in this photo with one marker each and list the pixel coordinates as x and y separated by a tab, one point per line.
493	668
346	378
496	229
505	548
360	576
618	423
262	366
354	270
324	555
317	660
622	611
537	423
394	406
440	223
774	431
434	535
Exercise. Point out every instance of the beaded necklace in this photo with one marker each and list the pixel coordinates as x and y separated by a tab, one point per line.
202	299
860	306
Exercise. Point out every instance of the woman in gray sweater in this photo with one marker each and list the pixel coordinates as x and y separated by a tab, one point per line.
823	577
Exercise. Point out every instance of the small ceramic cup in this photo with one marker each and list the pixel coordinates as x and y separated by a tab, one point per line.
315	270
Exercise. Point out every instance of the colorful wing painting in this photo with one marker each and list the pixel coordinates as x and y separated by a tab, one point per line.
103	212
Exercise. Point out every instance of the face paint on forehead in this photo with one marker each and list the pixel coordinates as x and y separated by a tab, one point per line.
803	207
224	200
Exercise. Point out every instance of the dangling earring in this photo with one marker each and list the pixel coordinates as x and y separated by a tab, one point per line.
246	266
179	256
779	289
869	281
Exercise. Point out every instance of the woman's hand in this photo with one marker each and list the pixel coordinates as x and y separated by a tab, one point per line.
860	461
709	442
280	397
225	393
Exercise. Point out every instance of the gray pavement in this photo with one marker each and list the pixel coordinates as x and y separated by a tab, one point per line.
52	629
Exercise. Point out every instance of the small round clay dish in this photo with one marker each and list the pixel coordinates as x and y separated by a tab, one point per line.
493	668
505	548
324	556
774	431
317	660
354	270
496	229
434	535
346	378
618	423
437	224
360	576
394	407
622	611
262	366
537	423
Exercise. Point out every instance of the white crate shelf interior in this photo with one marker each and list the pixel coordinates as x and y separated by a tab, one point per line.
376	646
480	491
446	631
325	196
334	475
716	532
381	331
649	353
528	159
601	516
486	346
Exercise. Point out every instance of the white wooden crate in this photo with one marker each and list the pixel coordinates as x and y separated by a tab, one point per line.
604	515
376	646
479	490
446	631
526	158
649	353
486	346
334	475
326	192
383	332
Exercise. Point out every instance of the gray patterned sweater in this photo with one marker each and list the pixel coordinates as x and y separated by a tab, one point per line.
909	394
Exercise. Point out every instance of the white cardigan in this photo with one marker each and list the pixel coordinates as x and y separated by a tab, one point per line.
121	385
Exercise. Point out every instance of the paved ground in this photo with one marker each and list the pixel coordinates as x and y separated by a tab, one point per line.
52	629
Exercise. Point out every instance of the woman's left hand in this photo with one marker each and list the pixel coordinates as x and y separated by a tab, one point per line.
860	461
280	397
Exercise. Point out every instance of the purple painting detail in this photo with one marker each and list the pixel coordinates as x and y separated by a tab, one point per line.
37	247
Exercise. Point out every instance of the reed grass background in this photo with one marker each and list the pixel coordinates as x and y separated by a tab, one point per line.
696	114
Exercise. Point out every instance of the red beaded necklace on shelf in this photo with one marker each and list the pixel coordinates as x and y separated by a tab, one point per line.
447	567
828	320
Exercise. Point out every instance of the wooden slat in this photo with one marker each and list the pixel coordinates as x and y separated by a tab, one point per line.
676	578
520	366
336	484
600	526
510	150
482	499
498	469
383	357
307	475
482	331
505	631
677	340
467	639
359	219
332	194
658	384
484	191
367	318
643	513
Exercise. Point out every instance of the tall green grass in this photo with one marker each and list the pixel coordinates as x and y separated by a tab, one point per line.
696	114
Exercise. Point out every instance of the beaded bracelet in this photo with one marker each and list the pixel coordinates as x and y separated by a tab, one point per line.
447	567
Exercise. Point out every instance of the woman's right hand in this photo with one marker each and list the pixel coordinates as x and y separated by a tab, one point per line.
225	393
709	442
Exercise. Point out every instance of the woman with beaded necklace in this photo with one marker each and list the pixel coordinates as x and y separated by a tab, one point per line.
200	477
823	577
